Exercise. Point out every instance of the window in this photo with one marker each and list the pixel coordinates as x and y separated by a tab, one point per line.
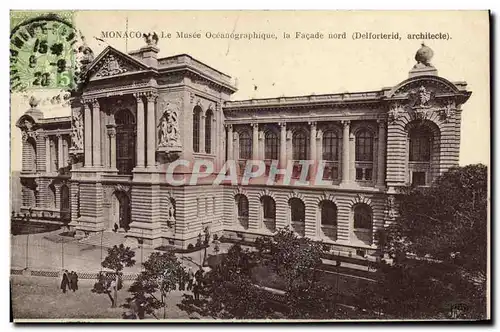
269	207
300	145
208	131
271	145
196	128
297	209
359	174
328	213
364	146
368	174
245	145
420	144
125	141
330	146
418	179
242	205
31	162
362	217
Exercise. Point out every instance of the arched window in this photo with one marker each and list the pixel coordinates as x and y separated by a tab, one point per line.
362	217
328	213
271	144
364	146
245	145
420	144
300	145
330	146
268	207
242	205
52	196
208	131
196	128
297	210
125	141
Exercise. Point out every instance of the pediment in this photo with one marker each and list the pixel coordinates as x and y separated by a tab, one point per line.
433	85
112	62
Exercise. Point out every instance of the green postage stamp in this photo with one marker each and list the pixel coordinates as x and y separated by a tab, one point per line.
42	50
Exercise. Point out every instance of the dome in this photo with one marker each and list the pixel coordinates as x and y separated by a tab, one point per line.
424	55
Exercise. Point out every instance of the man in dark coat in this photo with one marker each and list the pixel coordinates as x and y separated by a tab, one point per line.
65	281
74	281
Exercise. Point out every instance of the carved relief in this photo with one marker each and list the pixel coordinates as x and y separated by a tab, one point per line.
169	139
448	111
391	206
28	128
395	111
112	65
421	97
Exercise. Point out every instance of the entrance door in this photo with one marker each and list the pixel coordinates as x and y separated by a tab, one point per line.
120	211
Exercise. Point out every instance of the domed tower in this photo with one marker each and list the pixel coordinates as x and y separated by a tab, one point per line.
423	66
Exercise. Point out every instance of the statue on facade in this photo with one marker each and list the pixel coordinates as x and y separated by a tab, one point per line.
77	130
151	39
170	213
447	111
168	135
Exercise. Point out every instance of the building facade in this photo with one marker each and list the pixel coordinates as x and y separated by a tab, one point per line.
106	165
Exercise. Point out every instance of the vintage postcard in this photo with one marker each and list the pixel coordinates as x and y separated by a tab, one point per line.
171	166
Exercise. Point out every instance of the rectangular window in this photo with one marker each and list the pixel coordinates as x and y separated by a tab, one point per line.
418	178
368	174
359	174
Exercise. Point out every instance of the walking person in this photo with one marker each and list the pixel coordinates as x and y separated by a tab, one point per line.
65	281
75	281
190	277
182	281
196	289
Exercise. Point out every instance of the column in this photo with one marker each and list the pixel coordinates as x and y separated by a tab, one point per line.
345	151
112	142
282	162
202	132
60	161
230	155
312	148
87	135
47	153
255	141
96	132
381	154
140	144
151	130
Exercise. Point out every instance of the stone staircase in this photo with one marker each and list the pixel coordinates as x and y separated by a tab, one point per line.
109	239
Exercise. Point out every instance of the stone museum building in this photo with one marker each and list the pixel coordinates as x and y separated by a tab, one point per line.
104	167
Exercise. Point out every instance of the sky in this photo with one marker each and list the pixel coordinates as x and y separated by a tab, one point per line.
289	67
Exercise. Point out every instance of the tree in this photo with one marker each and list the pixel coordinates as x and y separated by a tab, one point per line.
160	275
118	257
230	288
439	247
290	256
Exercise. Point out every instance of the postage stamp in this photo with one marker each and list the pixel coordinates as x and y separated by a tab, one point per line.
41	50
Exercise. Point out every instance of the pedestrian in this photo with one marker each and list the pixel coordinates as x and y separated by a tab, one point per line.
75	281
65	281
71	279
182	281
190	277
196	290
